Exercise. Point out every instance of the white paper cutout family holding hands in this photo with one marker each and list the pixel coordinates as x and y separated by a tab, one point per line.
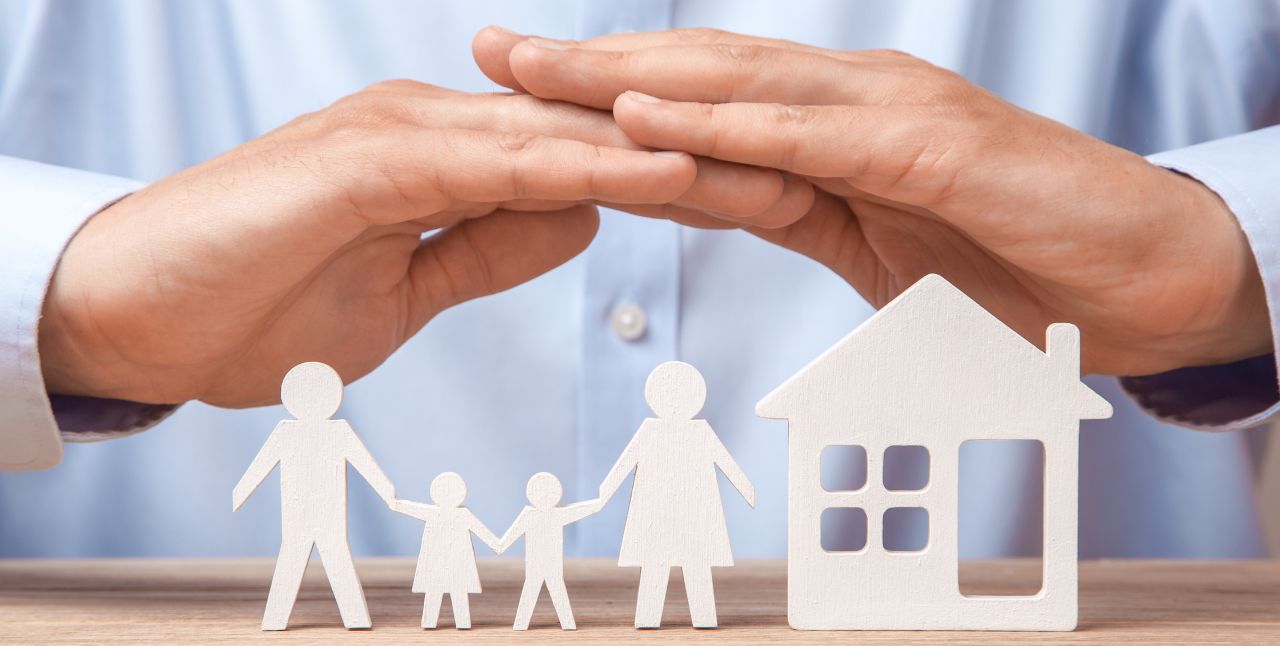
675	517
932	369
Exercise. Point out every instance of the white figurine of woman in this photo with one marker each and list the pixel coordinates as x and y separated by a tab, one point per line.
447	562
675	518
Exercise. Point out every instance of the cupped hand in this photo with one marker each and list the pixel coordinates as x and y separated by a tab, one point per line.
306	244
922	172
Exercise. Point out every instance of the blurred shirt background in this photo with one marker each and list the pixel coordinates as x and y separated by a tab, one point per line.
549	376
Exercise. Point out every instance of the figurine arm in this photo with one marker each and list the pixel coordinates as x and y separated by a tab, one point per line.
485	535
358	456
621	469
258	470
579	510
513	533
737	477
419	510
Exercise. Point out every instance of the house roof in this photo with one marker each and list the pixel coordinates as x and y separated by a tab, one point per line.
937	322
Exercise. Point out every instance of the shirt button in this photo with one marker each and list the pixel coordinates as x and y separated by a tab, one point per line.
629	322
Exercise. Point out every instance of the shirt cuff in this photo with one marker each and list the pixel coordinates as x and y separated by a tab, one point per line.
89	419
41	207
1241	170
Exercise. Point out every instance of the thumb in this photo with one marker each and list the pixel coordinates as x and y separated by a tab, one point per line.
493	253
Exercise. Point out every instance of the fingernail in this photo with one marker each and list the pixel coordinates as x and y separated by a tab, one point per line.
502	30
545	44
641	97
670	153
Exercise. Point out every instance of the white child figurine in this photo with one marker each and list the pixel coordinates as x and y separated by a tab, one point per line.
542	524
447	562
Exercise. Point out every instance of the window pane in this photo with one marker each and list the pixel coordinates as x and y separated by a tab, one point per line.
906	529
906	468
844	467
844	529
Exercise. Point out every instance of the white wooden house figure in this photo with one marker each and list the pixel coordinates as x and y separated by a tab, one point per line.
931	369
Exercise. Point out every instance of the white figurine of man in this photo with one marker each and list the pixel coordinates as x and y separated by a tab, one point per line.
542	525
675	518
447	561
313	452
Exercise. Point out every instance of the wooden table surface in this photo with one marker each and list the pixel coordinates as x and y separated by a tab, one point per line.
165	601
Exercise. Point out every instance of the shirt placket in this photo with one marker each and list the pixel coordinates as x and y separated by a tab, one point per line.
631	316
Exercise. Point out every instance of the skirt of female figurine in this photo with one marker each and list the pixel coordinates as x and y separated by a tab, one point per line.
446	566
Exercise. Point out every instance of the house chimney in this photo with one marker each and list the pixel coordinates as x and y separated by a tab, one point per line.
1062	344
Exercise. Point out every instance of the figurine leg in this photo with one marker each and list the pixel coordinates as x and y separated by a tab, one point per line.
652	595
560	599
290	566
461	610
431	609
702	596
528	599
336	556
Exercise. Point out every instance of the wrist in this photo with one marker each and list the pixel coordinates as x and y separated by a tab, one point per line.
1235	322
64	360
74	349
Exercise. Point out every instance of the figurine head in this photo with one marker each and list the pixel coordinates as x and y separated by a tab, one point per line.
675	390
311	391
544	490
448	490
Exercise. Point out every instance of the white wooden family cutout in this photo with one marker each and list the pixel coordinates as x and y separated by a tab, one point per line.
313	452
542	526
930	370
675	518
447	562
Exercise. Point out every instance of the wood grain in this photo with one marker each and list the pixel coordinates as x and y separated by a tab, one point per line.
167	601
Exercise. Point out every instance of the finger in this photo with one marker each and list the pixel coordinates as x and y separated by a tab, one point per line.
412	173
487	255
677	214
876	150
719	186
733	189
468	211
510	113
793	199
492	47
707	73
794	203
831	234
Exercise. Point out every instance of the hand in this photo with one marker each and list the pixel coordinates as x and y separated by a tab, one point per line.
922	172
238	499
305	244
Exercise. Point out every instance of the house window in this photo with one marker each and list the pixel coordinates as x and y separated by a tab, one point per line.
906	468
843	467
844	529
906	529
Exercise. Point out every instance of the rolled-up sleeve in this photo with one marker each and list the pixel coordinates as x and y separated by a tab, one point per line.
1244	171
41	208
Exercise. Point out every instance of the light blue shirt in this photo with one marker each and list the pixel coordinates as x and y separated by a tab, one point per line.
537	378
